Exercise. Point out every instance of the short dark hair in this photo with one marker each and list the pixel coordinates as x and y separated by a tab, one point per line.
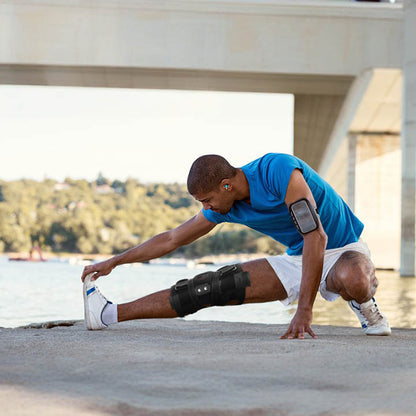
207	172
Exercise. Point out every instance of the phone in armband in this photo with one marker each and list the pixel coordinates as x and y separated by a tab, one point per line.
304	216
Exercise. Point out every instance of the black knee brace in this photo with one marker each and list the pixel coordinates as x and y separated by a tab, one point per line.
209	289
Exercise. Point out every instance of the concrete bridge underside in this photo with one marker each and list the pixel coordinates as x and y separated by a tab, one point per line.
313	49
324	52
318	99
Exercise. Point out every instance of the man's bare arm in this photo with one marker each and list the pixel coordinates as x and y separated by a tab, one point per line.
155	247
314	245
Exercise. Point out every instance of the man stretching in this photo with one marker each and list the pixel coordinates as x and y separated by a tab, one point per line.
282	197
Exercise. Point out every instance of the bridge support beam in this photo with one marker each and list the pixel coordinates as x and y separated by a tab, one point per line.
351	169
408	220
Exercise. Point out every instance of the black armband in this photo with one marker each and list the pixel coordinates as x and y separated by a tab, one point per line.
304	216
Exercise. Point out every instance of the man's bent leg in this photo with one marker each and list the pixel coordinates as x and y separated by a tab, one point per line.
353	277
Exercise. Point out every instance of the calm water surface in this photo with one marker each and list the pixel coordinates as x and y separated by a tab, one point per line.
38	292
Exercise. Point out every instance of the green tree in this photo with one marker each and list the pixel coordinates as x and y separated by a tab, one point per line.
73	217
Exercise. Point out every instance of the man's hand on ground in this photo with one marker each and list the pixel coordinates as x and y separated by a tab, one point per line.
100	269
300	324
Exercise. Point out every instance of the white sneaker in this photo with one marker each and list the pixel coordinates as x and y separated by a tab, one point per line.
372	320
94	305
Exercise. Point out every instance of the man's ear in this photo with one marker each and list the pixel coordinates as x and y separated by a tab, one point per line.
226	184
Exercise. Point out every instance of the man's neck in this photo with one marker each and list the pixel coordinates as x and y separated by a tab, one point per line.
242	187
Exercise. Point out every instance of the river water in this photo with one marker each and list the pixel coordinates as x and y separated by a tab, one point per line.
38	292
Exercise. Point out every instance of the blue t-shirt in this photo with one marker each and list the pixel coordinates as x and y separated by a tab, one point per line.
268	178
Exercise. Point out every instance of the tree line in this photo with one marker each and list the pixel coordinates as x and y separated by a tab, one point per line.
108	217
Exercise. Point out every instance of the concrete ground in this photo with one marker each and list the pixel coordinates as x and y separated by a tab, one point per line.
177	367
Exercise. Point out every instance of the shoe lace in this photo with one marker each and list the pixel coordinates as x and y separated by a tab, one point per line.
372	314
98	290
99	293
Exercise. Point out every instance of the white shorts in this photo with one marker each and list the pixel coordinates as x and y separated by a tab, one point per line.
289	270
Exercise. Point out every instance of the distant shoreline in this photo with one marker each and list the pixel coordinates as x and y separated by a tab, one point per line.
208	259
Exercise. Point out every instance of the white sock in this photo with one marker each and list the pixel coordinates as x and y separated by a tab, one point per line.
109	315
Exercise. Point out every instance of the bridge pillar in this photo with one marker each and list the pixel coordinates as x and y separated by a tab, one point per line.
408	248
351	169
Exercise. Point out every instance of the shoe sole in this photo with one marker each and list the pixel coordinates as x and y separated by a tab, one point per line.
87	280
386	333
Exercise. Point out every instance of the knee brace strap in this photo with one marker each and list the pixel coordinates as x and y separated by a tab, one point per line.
209	289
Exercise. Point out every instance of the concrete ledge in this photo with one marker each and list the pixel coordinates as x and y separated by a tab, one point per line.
332	8
177	367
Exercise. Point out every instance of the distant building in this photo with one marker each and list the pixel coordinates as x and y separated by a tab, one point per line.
104	189
61	186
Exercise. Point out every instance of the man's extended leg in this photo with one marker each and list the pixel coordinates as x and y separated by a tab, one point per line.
353	278
265	287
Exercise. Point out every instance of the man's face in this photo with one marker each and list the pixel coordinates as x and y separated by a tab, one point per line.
219	200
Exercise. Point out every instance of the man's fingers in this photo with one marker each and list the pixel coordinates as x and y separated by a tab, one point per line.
88	270
95	276
290	334
311	333
287	333
298	333
84	274
293	335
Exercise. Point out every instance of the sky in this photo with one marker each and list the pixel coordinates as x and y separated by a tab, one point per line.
150	135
